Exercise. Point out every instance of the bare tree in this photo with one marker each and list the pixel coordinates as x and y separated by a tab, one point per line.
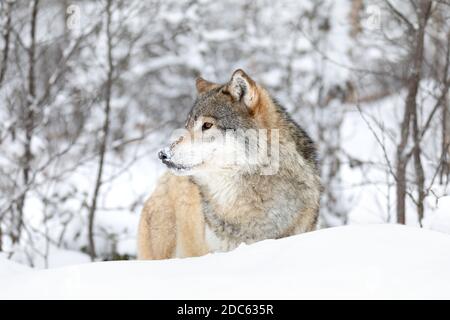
410	118
6	8
445	133
29	116
104	132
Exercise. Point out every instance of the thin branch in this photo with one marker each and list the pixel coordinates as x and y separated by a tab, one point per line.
6	40
105	134
401	16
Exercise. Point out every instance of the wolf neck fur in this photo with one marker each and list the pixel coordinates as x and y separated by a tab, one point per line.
240	207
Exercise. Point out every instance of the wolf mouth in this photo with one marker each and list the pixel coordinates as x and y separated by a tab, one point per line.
178	167
173	165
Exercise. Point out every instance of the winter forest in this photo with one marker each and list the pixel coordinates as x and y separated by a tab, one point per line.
90	90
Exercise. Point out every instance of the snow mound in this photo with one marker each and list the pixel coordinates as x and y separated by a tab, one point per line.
374	261
8	268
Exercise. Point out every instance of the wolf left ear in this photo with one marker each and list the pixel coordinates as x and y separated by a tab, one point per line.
243	88
203	85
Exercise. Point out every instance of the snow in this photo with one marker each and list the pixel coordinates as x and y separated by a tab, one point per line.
8	267
373	261
439	219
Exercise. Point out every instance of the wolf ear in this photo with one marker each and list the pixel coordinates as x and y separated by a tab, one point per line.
243	88
203	85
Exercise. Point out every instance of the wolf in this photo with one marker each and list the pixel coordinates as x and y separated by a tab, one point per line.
214	197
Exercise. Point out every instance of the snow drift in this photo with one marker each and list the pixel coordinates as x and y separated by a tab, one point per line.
374	261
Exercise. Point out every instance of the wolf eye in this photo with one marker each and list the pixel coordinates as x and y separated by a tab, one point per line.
206	126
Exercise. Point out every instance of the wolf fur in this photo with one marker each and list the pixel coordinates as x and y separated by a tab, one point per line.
200	207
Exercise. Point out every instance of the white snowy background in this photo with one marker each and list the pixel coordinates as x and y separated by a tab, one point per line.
342	68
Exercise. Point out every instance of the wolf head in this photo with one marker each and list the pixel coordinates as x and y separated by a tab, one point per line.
225	129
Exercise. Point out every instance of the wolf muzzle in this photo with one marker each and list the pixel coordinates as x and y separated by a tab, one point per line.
165	156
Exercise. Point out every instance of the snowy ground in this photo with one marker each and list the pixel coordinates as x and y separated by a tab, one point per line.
373	261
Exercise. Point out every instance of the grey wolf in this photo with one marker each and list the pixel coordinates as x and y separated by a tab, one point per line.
205	204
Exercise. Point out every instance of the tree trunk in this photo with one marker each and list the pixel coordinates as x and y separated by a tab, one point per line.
445	143
6	38
411	112
28	122
355	17
420	174
105	133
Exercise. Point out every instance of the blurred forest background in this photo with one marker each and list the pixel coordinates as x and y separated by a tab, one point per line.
89	90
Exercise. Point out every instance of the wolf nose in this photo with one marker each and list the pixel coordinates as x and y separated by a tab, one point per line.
162	155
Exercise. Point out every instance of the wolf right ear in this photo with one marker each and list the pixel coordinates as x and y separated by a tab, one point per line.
243	88
203	85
